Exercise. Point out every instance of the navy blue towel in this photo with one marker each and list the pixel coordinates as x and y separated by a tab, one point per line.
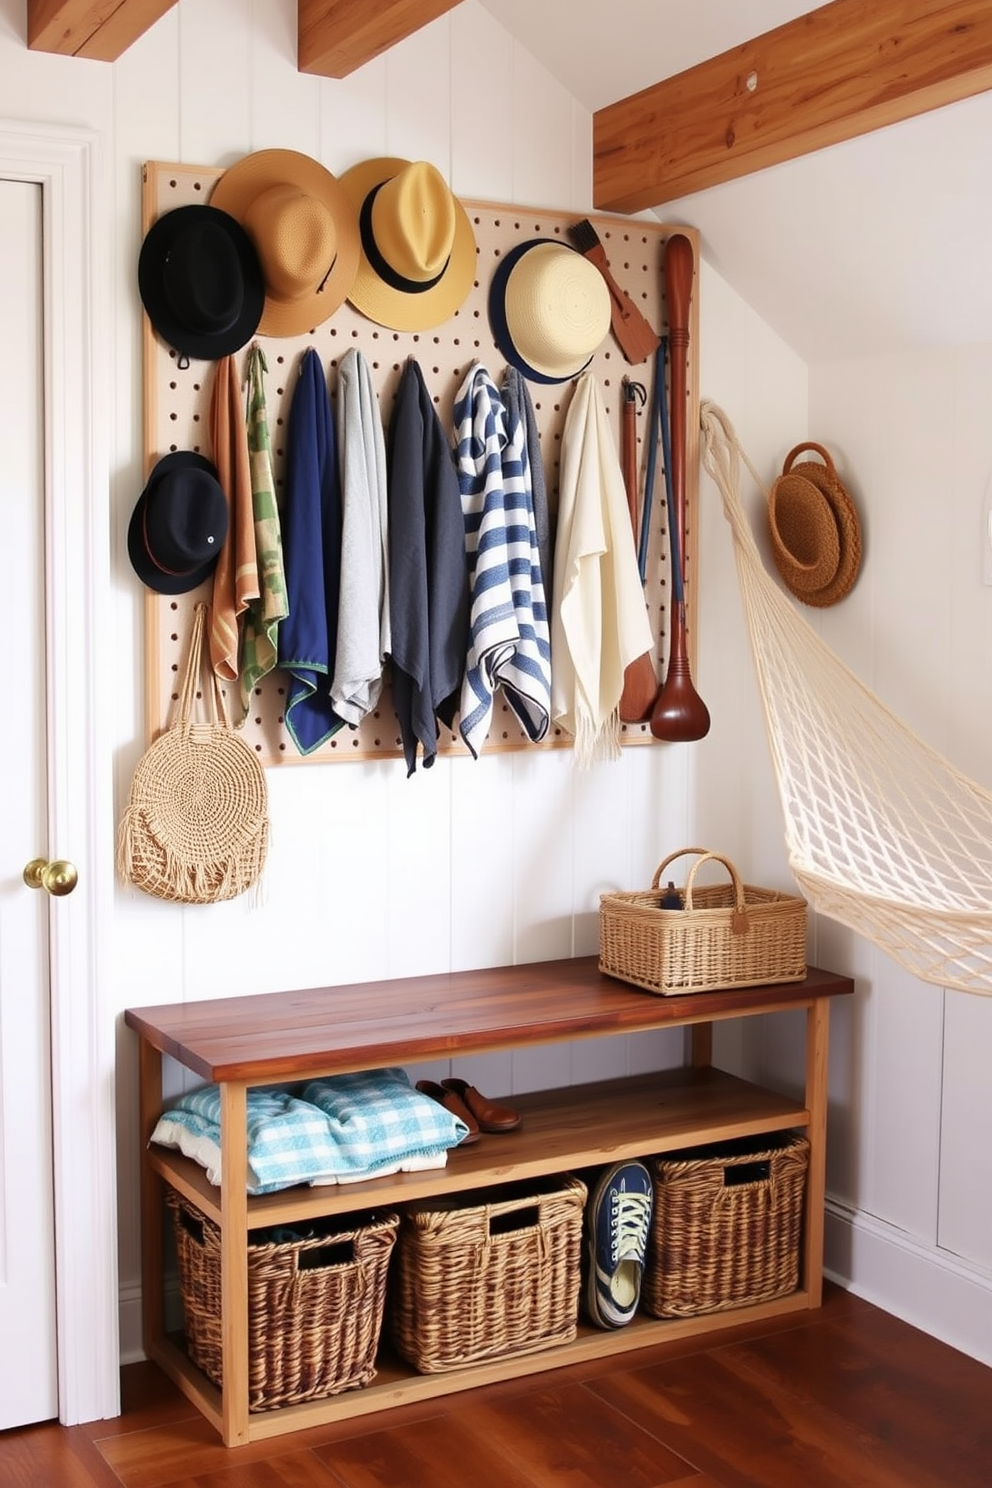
311	536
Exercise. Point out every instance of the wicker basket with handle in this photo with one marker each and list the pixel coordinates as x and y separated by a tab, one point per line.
719	935
726	1229
315	1303
490	1279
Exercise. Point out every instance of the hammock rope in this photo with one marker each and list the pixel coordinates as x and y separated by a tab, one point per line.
883	833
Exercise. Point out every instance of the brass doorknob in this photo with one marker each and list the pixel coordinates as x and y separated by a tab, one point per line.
58	877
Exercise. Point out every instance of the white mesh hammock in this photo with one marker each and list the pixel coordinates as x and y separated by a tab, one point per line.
883	833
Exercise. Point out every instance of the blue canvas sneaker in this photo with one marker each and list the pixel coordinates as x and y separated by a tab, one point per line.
618	1218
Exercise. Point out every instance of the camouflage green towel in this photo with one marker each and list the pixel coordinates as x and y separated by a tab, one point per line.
261	621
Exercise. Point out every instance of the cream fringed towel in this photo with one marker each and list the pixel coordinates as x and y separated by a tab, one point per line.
599	623
884	834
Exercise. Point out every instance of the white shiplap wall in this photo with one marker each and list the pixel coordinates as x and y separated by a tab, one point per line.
913	431
371	874
503	859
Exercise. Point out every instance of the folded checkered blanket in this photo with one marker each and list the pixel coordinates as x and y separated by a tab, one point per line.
336	1130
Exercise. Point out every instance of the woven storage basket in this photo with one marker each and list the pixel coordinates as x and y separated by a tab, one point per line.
490	1279
726	935
727	1225
315	1305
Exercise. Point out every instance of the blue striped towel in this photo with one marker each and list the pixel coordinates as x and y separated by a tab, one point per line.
510	643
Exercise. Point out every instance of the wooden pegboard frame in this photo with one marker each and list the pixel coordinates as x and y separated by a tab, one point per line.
176	403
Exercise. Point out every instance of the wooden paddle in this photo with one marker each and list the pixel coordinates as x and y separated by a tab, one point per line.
640	686
679	712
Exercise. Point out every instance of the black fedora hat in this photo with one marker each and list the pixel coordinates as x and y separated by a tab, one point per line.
201	281
178	525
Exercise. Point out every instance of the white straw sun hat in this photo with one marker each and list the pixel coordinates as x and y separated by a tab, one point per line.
549	309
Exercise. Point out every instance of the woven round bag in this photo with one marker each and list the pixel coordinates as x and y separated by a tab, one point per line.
814	528
195	830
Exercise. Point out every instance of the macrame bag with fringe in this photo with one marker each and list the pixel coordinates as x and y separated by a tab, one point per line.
196	829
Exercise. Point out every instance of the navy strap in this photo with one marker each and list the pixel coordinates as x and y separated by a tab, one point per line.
654	430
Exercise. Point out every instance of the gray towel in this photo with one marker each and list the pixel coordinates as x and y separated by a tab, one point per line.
363	608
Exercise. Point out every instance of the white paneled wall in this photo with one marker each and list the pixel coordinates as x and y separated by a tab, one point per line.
912	435
371	874
910	1149
502	859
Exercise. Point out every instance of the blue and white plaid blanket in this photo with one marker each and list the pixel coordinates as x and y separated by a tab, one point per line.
376	1117
341	1128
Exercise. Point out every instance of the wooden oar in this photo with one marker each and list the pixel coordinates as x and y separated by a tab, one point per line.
679	712
640	686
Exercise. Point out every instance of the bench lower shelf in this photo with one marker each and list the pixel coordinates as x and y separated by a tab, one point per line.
397	1384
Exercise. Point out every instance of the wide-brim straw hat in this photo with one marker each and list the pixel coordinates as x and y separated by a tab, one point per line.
549	310
305	231
815	529
200	281
418	255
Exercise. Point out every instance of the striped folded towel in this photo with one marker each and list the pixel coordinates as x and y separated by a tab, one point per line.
510	642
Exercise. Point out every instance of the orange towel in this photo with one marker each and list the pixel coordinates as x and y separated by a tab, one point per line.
236	575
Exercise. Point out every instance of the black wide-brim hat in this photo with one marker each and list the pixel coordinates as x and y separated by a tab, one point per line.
201	282
179	524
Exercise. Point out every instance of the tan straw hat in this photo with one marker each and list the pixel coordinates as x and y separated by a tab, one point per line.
418	255
305	232
814	527
549	309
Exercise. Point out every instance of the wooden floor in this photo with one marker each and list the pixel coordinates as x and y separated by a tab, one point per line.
844	1397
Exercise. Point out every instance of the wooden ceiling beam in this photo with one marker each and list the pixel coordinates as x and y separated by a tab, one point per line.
101	30
840	71
334	37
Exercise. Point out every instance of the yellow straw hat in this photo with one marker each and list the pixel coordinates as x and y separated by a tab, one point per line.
418	254
305	233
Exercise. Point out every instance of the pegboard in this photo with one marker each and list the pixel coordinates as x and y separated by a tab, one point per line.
176	416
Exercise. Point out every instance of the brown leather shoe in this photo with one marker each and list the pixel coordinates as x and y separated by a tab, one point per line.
453	1103
490	1116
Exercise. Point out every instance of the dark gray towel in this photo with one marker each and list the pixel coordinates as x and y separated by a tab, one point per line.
428	571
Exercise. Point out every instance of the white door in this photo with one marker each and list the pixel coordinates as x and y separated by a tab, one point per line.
28	1360
56	782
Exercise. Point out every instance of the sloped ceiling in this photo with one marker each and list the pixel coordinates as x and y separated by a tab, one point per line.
876	245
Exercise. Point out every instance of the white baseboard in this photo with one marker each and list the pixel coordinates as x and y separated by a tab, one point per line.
925	1286
129	1313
